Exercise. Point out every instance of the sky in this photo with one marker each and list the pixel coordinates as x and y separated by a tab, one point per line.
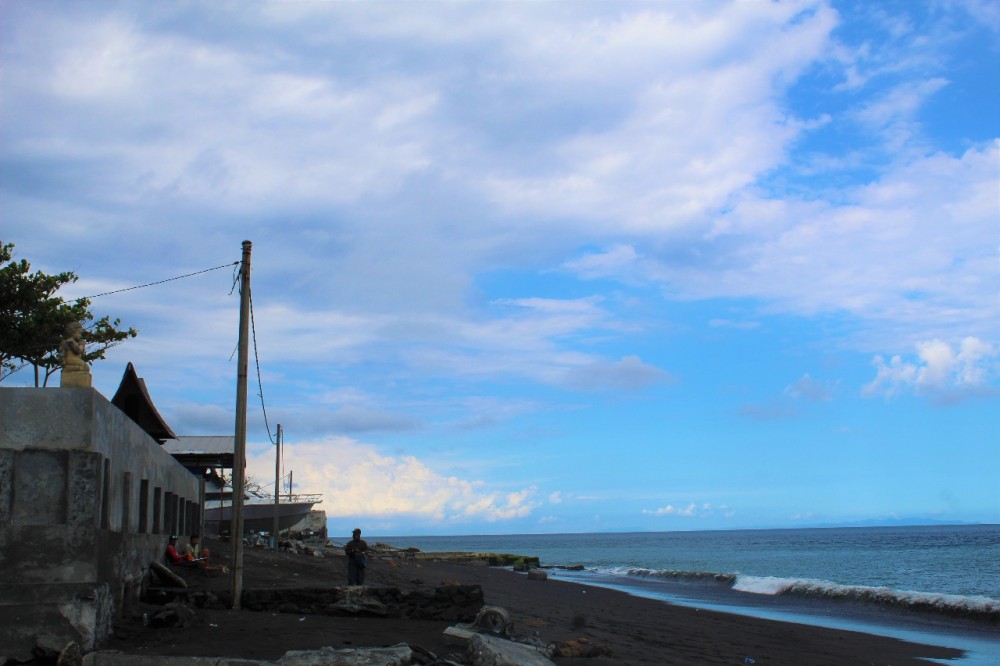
539	267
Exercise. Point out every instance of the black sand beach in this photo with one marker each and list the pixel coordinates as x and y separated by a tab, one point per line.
634	630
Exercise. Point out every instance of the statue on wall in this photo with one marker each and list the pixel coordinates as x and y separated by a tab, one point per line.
75	371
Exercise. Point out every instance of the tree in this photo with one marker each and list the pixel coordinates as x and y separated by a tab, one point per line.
33	320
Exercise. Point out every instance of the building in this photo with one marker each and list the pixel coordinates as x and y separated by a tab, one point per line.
88	499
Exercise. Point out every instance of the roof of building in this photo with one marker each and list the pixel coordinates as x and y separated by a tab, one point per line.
133	399
201	451
204	444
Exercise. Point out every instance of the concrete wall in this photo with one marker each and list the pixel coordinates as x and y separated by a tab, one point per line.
87	501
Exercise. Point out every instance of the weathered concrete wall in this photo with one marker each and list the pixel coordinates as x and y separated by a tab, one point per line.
87	500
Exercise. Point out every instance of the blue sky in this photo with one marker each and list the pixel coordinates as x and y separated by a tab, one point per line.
540	267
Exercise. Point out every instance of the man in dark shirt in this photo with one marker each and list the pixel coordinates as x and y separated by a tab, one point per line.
357	559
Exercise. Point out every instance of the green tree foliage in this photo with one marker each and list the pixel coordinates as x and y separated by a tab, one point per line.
33	320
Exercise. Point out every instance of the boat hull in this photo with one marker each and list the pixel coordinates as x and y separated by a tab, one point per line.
257	517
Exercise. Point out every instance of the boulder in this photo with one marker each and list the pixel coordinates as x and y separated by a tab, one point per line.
459	636
537	574
493	651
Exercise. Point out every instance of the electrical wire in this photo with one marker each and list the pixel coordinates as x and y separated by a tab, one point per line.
256	358
151	284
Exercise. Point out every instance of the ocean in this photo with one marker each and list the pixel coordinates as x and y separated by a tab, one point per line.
937	585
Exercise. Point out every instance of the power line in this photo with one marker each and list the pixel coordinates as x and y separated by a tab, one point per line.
256	358
151	284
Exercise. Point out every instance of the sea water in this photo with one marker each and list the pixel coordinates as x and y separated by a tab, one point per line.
938	585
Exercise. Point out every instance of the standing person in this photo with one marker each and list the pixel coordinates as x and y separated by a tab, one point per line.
357	558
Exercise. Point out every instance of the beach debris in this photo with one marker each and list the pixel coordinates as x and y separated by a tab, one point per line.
361	606
172	615
749	660
580	647
493	620
167	576
458	636
494	651
71	655
396	655
424	657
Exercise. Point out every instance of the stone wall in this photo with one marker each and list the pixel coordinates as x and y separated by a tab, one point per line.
87	501
453	603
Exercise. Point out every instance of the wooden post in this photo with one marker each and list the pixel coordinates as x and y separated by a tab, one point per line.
277	489
240	454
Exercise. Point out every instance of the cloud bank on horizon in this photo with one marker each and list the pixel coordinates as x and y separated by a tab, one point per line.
541	267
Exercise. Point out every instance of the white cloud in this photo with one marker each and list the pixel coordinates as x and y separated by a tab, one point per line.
629	373
427	189
615	261
940	372
357	480
692	510
729	323
905	254
810	389
984	11
665	164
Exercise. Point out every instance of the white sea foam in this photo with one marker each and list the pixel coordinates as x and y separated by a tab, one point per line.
693	576
762	584
980	608
972	607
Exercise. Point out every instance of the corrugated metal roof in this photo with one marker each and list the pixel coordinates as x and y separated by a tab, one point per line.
201	445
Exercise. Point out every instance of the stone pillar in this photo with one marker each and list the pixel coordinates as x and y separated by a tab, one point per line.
76	378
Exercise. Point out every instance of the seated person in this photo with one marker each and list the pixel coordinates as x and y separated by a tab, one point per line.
173	557
193	552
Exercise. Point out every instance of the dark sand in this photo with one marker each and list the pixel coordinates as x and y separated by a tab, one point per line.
636	630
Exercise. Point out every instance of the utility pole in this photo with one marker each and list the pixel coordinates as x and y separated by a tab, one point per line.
277	489
240	454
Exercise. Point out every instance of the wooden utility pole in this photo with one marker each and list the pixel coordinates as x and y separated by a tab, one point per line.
277	489
240	454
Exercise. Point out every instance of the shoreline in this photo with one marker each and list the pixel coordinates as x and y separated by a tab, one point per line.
636	630
978	638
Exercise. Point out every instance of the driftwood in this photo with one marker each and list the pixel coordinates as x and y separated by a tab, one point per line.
168	577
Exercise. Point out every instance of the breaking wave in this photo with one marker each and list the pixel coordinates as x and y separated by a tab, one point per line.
981	609
684	576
